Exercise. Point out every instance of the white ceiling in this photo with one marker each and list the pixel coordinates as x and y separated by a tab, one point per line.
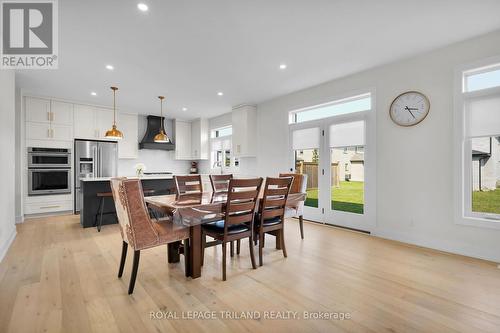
189	50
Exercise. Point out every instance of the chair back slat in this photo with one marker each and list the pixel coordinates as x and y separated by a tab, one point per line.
239	218
274	199
220	183
241	202
244	195
188	184
299	183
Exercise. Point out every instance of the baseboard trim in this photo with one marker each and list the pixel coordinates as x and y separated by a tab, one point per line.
6	246
438	244
19	219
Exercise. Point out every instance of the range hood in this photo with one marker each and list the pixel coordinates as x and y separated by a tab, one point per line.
153	126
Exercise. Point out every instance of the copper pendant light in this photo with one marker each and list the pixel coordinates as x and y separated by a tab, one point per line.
162	136
114	133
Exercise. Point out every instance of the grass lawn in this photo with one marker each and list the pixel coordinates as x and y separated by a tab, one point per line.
486	202
347	198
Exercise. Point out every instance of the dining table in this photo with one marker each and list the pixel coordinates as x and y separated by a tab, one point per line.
192	210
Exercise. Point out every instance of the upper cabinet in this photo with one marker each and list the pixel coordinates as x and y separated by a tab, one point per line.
92	122
199	139
191	139
48	120
182	140
37	110
61	113
128	146
244	122
84	122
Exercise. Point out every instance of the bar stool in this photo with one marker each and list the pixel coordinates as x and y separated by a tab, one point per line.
100	209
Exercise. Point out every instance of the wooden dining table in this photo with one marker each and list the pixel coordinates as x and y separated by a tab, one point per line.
192	211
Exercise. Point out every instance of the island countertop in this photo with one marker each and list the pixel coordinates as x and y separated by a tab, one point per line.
101	179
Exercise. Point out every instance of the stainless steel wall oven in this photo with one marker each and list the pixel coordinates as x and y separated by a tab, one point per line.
49	171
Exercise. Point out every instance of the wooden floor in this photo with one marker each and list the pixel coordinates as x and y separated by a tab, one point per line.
58	277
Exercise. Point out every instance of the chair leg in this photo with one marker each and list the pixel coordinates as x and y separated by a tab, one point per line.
238	245
187	267
231	247
283	242
224	261
252	255
135	266
100	218
122	260
261	246
301	224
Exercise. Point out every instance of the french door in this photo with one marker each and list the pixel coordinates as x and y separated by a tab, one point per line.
338	156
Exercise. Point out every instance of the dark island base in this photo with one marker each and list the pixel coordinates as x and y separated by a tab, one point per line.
90	206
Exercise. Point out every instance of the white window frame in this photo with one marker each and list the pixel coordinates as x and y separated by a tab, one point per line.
360	95
369	116
223	168
463	172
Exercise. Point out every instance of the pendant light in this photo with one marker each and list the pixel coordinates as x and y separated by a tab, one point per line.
114	133
161	137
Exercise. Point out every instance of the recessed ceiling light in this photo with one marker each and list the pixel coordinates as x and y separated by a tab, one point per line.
93	93
142	7
184	109
220	93
110	67
282	66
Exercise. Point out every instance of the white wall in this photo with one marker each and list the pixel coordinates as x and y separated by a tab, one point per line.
7	167
155	160
414	165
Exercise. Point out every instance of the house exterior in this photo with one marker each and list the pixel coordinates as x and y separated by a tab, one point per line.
485	163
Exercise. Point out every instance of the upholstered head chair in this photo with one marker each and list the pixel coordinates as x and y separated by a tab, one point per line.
299	185
137	228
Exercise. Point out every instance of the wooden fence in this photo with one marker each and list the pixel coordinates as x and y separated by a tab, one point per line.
311	169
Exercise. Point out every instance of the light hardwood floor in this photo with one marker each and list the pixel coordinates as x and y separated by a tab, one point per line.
58	277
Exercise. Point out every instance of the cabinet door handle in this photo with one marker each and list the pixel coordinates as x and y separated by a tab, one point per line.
48	132
48	115
52	116
52	133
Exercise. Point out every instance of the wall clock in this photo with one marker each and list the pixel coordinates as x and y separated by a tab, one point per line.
409	108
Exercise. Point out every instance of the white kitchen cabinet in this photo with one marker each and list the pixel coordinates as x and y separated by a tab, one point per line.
38	131
61	132
84	122
244	123
104	122
61	113
37	110
182	140
129	145
199	139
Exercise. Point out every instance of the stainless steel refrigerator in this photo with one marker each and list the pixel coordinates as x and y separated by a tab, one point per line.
93	159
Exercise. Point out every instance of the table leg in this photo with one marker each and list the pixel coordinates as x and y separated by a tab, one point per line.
195	251
173	252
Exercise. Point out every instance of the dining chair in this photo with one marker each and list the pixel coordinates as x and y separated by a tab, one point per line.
220	183
188	184
137	229
271	213
299	185
238	217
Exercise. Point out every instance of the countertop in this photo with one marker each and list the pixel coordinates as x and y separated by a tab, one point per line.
102	179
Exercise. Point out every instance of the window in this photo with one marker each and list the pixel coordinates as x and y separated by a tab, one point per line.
221	145
482	78
479	135
343	106
224	131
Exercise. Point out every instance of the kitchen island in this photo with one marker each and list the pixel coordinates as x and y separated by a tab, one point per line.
159	185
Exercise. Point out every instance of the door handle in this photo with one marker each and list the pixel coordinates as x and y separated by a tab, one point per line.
48	115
